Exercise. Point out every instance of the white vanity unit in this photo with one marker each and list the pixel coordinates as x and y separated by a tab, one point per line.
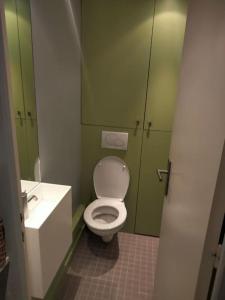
48	231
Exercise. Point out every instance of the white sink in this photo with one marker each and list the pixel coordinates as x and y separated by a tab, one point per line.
48	231
27	185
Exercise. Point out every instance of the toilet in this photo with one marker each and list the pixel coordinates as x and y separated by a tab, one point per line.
106	215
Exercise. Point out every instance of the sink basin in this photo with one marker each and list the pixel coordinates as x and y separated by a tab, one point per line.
48	231
27	185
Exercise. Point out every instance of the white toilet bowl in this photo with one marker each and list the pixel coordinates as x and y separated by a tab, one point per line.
106	215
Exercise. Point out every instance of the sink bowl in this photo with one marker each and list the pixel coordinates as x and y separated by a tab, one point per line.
27	185
48	233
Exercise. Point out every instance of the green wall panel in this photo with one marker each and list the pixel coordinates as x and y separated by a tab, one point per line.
155	155
92	153
116	38
14	57
166	52
26	52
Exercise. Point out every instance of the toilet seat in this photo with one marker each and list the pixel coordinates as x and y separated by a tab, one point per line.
105	203
111	178
106	215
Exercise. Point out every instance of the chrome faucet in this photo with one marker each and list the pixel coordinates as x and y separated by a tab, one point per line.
25	200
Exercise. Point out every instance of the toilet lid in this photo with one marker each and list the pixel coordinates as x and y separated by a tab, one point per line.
111	178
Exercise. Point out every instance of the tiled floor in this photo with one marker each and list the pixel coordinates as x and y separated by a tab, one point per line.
122	269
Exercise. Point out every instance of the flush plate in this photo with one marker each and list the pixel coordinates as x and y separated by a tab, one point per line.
114	140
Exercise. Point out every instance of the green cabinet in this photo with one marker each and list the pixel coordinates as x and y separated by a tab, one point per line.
26	56
132	53
166	52
20	56
155	154
116	41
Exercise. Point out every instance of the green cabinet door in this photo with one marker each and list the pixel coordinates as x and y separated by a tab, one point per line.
14	58
26	52
155	155
116	39
18	29
166	52
21	135
92	153
27	144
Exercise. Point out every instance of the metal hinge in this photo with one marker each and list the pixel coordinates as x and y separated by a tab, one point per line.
217	256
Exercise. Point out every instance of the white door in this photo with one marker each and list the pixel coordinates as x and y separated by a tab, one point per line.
196	150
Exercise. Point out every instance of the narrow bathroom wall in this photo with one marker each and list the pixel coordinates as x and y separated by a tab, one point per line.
57	57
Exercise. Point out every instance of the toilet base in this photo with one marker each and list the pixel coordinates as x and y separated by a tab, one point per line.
107	238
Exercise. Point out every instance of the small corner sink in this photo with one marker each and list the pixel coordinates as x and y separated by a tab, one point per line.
27	185
48	231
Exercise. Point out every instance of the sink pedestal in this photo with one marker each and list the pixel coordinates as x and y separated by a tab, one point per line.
48	234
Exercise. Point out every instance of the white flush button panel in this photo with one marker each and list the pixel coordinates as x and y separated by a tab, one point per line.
115	140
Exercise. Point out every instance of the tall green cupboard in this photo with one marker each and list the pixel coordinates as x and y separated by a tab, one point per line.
19	39
132	52
166	53
116	41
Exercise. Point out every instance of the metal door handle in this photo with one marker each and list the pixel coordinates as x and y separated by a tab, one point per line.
167	172
136	127
19	114
160	172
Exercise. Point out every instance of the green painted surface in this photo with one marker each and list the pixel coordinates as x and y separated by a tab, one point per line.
151	191
92	153
27	143
166	52
18	29
78	216
117	49
57	283
32	146
22	147
116	38
14	57
26	52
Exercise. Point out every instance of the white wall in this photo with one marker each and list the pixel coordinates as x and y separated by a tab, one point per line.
57	58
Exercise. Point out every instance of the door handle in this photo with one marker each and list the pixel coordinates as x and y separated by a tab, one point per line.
30	117
19	114
160	172
136	127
